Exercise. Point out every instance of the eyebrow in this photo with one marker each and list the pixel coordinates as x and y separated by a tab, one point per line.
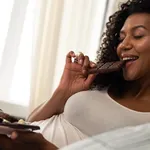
134	28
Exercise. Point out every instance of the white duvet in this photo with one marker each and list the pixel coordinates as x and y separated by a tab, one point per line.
128	138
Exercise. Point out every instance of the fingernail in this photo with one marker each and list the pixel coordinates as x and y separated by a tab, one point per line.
80	61
93	65
79	53
14	135
72	53
84	71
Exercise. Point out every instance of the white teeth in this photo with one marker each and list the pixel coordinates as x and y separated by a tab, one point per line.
129	58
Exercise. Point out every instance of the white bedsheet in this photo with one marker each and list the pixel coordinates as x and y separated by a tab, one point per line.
128	138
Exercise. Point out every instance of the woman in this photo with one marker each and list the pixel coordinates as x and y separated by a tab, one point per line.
120	99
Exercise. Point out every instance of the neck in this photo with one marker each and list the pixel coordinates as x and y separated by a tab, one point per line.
137	90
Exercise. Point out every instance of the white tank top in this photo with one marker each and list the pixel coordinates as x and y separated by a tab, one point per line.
86	114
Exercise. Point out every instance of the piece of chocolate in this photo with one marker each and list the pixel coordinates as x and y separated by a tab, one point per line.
1	120
8	117
20	126
107	67
9	121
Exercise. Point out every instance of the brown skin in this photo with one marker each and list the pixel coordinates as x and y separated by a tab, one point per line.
75	77
73	80
135	40
25	140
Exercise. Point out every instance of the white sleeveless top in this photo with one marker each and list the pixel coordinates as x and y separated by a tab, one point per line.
86	114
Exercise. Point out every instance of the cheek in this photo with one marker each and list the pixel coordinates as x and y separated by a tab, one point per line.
143	47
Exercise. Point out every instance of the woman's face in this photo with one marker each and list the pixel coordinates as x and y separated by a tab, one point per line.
135	46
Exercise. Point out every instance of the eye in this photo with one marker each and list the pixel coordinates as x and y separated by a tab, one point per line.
138	36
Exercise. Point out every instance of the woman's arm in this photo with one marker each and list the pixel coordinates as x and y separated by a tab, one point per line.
52	107
73	80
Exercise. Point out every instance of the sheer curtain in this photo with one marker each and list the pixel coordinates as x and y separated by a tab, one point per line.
35	37
62	26
16	28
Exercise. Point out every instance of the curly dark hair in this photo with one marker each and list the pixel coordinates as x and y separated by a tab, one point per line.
110	41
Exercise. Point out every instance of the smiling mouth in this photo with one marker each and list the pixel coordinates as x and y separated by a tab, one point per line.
130	58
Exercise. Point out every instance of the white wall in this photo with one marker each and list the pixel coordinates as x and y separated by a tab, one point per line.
13	109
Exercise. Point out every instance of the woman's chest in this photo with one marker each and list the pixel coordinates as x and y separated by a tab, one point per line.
97	115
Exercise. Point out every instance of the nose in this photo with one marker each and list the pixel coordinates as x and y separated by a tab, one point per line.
126	44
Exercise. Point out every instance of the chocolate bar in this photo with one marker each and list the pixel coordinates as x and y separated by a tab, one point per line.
107	67
20	126
7	117
8	121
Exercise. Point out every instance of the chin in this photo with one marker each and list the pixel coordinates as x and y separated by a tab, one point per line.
130	77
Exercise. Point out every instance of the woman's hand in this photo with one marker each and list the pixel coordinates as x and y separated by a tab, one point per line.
7	144
75	77
25	140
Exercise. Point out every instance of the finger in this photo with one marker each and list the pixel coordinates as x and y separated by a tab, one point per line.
27	137
80	58
69	57
7	143
14	135
75	59
32	139
23	136
86	65
92	64
90	79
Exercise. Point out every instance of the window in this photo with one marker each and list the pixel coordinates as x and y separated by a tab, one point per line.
16	28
